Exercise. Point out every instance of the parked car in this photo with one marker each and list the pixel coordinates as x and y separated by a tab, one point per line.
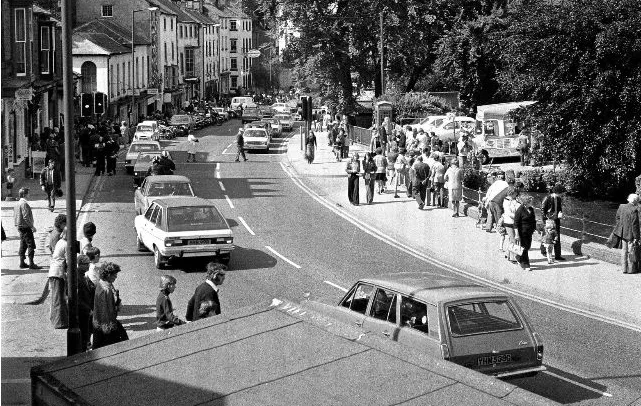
182	122
142	165
459	321
183	227
221	112
257	139
450	131
277	128
166	132
250	114
137	147
154	187
280	108
147	130
429	123
286	121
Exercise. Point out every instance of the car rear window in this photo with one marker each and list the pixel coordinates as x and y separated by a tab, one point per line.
144	128
194	218
144	147
255	132
283	117
481	317
170	189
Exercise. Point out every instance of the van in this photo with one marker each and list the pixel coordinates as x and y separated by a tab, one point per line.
244	101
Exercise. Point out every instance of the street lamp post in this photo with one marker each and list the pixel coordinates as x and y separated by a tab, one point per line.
133	60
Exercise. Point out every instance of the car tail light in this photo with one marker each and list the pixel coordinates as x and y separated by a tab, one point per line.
172	242
539	346
445	351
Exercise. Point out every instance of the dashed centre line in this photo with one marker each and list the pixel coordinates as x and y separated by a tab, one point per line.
222	187
336	286
246	226
295	265
229	201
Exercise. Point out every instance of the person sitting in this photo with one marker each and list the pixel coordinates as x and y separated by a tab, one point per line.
168	165
155	168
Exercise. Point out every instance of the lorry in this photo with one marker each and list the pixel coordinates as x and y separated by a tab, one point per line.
497	135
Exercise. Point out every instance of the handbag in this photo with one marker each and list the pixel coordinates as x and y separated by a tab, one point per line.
516	249
634	252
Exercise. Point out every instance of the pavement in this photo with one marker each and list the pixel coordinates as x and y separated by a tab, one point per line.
582	284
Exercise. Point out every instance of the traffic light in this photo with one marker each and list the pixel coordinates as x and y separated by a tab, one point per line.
86	105
100	103
307	108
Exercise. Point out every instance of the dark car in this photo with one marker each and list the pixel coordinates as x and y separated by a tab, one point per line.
251	114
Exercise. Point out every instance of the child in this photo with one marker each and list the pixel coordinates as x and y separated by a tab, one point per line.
550	237
500	228
165	317
89	230
10	181
94	267
86	293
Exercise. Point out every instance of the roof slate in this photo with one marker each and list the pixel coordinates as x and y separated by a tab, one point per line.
113	30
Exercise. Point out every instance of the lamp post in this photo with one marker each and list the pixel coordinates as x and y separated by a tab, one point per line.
133	59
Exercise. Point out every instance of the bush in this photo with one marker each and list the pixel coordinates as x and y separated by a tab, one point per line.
533	181
474	179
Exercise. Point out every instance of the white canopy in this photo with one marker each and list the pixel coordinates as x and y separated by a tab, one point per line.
498	111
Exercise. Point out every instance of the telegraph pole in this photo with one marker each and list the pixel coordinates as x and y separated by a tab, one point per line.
382	57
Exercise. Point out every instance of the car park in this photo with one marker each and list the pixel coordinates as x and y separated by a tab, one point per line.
183	227
257	139
450	131
155	187
142	165
459	321
286	121
147	130
277	128
183	123
137	147
250	114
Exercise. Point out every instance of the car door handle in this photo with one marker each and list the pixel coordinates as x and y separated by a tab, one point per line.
359	323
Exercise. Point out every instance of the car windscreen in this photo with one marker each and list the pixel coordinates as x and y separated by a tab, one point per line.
482	318
180	120
144	128
194	218
170	189
144	147
255	132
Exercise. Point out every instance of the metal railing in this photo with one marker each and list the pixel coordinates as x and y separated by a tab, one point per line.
359	135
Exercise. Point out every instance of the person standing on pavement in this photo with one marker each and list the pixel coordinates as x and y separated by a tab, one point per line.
437	177
381	166
369	175
107	329
494	199
510	206
353	168
627	231
23	220
421	179
207	291
464	147
409	179
400	166
86	293
523	147
524	227
99	150
88	232
454	179
165	317
50	182
310	147
111	154
551	207
59	311
191	148
59	224
240	145
124	133
392	155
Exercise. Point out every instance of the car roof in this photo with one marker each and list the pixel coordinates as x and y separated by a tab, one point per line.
167	178
145	142
183	201
432	288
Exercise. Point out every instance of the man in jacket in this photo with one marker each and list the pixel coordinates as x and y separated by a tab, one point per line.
240	145
627	229
23	220
206	293
551	207
50	182
420	183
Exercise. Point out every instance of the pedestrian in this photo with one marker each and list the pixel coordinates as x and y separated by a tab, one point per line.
88	232
374	142
422	140
165	317
369	175
107	329
84	142
93	253
409	179
310	147
207	291
464	147
549	238
437	177
52	149
400	166
240	145
59	311
338	146
523	147
524	227
11	179
551	207
124	133
510	206
168	166
454	179
502	232
191	148
626	233
353	168
392	155
420	184
494	198
23	220
59	224
99	150
50	183
111	154
381	167
86	293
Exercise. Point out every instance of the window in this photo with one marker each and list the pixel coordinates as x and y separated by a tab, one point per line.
234	64
164	24
196	32
45	50
180	30
112	81
173	56
358	298
122	82
182	62
189	62
414	314
191	31
171	24
233	45
165	52
20	54
88	73
384	306
481	317
107	10
234	82
117	79
233	25
130	85
137	74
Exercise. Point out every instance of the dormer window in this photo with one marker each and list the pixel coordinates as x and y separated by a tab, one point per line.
107	10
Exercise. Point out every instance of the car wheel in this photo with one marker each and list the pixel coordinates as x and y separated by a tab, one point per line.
159	260
141	247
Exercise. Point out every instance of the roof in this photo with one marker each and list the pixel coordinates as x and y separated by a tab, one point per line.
229	11
199	17
498	111
168	178
432	288
88	43
183	201
169	7
113	30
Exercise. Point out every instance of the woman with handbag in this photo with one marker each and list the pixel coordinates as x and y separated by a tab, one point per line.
369	173
106	327
627	230
524	227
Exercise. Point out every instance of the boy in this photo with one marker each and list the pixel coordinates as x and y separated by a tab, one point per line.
165	317
94	267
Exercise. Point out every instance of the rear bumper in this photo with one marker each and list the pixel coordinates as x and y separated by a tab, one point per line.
261	147
195	251
524	371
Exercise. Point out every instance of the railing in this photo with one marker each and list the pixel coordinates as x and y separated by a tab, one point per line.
359	135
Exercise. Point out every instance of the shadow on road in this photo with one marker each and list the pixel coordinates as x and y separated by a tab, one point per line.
559	389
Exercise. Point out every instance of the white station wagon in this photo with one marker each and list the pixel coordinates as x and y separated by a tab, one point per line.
183	227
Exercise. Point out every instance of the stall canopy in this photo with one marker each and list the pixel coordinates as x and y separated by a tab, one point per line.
498	111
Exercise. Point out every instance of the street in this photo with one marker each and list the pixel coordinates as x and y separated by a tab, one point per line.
291	244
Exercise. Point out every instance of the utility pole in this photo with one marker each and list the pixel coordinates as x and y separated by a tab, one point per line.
382	57
74	338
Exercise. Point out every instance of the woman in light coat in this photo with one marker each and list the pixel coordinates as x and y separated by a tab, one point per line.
59	312
454	180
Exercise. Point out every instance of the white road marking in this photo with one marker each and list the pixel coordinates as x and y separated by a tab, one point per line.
380	235
246	226
222	187
225	150
16	381
229	201
282	257
609	395
336	286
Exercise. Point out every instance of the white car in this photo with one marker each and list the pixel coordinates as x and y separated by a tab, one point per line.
257	139
147	130
286	121
450	131
221	112
429	123
183	227
277	128
157	186
137	147
280	108
244	101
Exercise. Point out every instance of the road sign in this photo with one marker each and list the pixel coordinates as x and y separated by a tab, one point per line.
253	53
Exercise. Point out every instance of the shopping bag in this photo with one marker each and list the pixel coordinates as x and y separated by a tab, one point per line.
516	249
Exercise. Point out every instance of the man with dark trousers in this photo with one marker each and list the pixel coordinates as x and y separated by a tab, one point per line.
23	220
240	145
551	209
206	294
421	176
50	182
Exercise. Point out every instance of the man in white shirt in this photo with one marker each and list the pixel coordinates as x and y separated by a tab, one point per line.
494	199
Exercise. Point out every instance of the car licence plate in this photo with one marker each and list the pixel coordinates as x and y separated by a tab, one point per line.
495	359
198	242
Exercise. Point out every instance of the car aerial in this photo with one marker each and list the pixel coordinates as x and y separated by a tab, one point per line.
277	128
154	187
257	139
250	114
285	121
261	124
143	162
183	227
459	321
429	123
450	131
182	122
137	147
280	108
147	130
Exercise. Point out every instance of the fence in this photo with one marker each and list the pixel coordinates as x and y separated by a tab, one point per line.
359	135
